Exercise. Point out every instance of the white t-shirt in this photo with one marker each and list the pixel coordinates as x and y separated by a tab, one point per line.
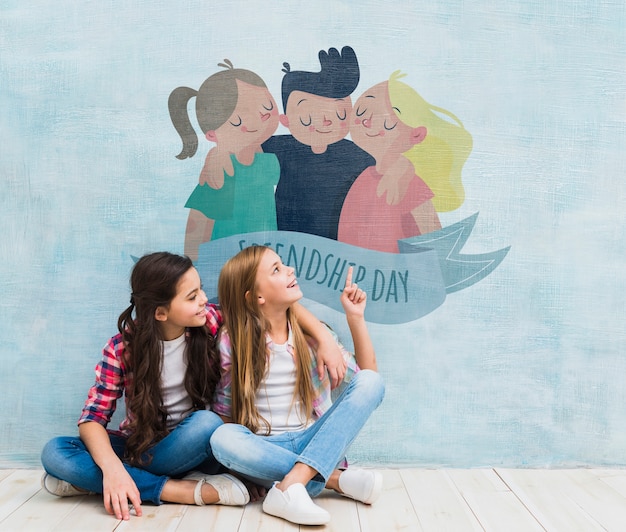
176	400
278	390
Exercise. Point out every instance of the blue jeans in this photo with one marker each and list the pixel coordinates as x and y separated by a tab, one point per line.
185	448
266	459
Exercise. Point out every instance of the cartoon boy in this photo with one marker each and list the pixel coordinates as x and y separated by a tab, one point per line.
317	165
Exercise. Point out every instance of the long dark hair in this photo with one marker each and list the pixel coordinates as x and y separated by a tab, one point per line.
153	282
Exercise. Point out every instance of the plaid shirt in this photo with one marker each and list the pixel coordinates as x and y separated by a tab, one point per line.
222	403
112	378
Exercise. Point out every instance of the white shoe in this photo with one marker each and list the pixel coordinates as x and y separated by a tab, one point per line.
60	488
295	505
362	485
231	491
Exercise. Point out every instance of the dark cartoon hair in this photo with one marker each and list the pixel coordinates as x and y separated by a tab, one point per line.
338	77
216	100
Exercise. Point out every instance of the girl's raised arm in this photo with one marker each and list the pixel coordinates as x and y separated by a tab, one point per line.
353	300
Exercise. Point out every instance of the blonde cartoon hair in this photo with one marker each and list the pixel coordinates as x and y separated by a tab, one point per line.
440	157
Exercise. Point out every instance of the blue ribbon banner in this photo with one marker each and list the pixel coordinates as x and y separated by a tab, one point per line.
401	287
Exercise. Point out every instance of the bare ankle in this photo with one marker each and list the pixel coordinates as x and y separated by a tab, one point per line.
209	494
299	474
333	481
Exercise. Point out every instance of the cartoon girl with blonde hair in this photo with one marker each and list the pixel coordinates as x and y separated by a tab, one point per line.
236	111
440	157
419	156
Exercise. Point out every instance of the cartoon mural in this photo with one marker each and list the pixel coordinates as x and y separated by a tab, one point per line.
511	362
325	202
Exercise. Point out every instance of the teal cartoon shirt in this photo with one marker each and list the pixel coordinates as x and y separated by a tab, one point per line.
245	203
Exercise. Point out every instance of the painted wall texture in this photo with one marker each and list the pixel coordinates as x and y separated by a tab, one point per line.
523	364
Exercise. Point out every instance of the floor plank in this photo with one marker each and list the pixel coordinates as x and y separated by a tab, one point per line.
254	519
495	506
88	515
413	499
616	478
211	518
598	499
437	502
393	511
345	516
16	489
542	492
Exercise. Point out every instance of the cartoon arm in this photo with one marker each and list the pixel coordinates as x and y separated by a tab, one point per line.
395	180
199	231
216	163
426	217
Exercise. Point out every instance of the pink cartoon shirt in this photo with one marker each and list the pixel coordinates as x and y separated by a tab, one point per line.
369	222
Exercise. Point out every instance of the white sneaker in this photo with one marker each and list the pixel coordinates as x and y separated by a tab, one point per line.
362	485
60	488
231	491
295	505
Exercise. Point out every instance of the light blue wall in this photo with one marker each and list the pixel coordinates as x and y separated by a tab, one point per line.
525	368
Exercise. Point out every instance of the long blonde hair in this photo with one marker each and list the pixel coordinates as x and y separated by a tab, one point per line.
440	157
247	329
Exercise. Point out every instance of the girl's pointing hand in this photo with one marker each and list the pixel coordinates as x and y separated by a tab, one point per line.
353	299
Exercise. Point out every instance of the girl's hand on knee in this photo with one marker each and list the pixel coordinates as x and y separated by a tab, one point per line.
118	490
329	358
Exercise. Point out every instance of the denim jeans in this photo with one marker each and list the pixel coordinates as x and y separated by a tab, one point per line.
185	448
266	459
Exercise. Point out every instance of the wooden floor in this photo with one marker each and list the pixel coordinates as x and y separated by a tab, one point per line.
506	500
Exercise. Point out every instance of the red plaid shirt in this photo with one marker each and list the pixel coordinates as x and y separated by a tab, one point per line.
112	378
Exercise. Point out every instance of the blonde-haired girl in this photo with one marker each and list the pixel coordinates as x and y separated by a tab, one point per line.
439	158
419	156
282	430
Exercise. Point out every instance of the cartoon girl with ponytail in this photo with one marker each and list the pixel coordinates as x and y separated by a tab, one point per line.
236	111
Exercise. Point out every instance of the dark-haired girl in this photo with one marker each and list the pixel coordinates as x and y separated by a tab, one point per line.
164	360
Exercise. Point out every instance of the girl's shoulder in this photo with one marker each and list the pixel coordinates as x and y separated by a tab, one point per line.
214	318
223	339
115	344
114	353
